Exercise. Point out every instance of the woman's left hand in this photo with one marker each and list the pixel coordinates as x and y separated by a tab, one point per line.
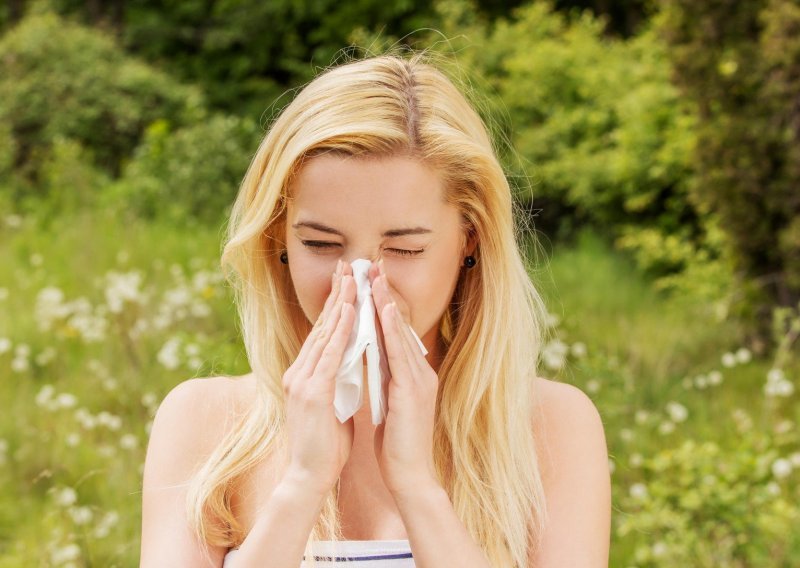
404	441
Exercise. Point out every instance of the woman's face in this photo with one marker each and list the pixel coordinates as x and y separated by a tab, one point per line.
391	208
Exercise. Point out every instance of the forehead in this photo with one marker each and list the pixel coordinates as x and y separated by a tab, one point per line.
387	187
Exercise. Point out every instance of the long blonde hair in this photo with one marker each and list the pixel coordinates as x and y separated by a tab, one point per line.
492	332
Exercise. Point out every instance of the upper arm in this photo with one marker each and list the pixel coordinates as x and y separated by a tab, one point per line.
178	442
573	456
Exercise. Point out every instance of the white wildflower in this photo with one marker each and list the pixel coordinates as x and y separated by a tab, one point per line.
13	221
554	354
122	287
638	491
775	375
65	554
149	399
19	364
578	349
81	515
168	355
777	384
45	356
743	355
5	345
781	468
86	420
65	496
92	328
714	377
44	395
677	411
728	360
128	442
659	549
666	427
66	400
49	307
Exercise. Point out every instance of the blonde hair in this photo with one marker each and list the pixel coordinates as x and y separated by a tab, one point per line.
491	333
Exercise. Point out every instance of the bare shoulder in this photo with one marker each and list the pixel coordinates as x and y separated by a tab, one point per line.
562	403
573	457
201	407
189	423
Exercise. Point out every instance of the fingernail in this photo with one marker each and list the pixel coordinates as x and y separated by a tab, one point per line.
338	267
380	266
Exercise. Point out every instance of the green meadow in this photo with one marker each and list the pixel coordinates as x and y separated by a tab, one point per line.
101	318
669	127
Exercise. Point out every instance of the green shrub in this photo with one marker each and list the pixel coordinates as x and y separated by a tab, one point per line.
191	173
59	80
702	505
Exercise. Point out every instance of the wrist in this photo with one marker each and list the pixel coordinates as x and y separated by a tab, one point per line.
298	482
422	490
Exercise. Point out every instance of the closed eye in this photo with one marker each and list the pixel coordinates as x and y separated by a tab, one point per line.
323	245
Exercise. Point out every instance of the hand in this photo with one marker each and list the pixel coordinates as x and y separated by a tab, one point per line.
403	443
319	444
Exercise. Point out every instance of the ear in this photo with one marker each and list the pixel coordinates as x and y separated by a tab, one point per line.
471	242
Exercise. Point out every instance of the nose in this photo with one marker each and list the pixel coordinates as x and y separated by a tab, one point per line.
373	271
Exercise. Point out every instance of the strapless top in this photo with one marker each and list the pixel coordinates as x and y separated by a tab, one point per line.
360	553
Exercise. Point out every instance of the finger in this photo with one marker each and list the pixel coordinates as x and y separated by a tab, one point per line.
397	354
313	335
415	356
331	357
336	280
385	291
409	344
324	334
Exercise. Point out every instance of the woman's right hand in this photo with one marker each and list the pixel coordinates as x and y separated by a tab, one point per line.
318	444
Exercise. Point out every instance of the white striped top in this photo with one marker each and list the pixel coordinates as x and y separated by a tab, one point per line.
357	553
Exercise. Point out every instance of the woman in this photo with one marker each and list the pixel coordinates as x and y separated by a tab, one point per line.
478	462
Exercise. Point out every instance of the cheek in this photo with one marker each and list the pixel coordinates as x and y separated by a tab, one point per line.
312	284
426	290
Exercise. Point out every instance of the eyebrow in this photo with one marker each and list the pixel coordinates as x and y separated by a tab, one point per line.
390	233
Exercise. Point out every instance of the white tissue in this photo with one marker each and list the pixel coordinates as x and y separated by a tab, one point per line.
348	396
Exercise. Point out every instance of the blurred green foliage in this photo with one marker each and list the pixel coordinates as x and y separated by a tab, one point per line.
738	65
703	505
244	53
63	84
187	174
